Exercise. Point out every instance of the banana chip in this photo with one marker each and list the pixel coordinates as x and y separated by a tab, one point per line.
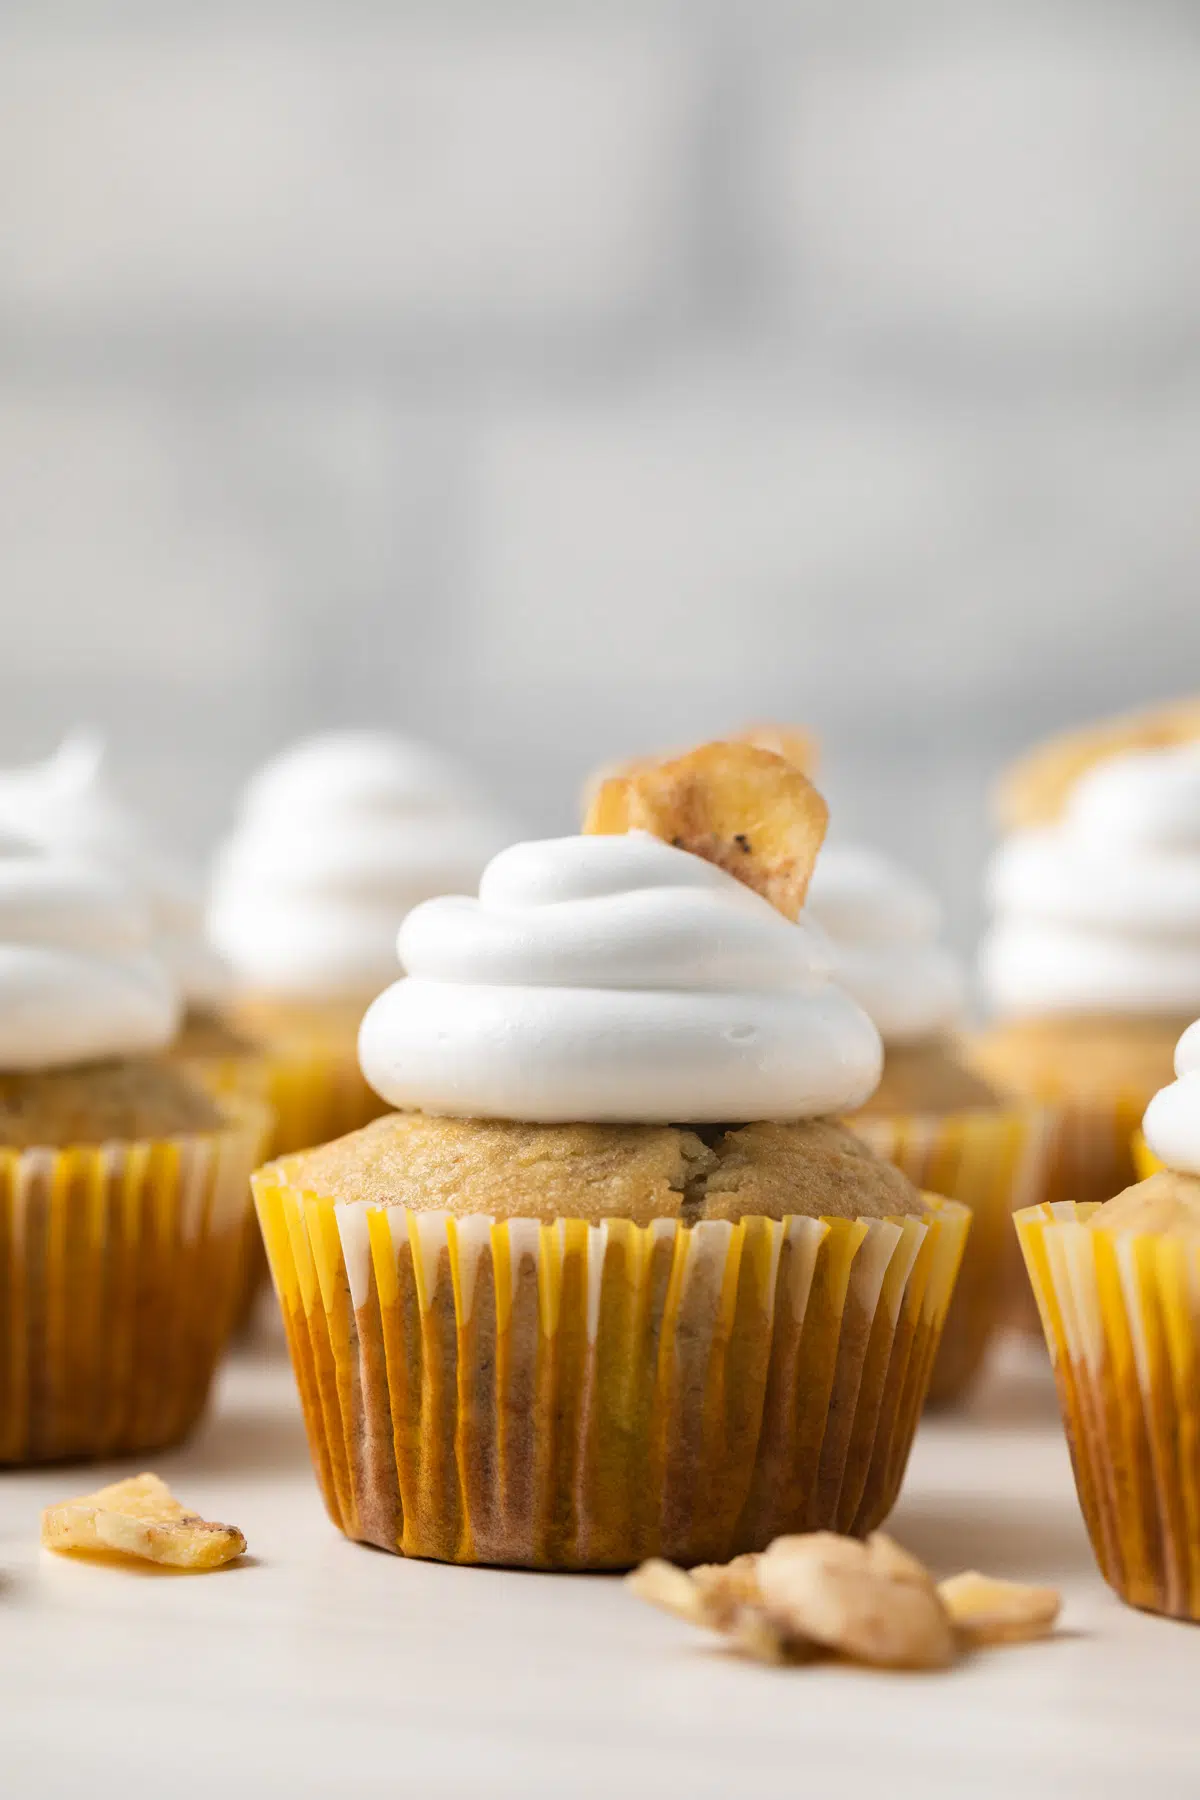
141	1518
748	810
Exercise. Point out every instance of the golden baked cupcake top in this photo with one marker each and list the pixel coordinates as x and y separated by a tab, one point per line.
508	1169
98	1103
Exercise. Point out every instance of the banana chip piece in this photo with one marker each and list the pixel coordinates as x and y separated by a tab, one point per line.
751	812
985	1610
141	1518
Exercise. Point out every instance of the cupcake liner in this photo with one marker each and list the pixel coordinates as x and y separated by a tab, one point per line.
1121	1313
580	1396
992	1161
120	1267
1088	1158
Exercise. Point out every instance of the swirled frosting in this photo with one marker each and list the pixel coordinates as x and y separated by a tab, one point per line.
1101	911
79	979
603	979
67	807
1172	1122
338	839
884	925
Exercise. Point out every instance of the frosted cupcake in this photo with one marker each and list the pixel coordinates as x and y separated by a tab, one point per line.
338	838
940	1122
1118	1289
1092	962
616	1283
123	1187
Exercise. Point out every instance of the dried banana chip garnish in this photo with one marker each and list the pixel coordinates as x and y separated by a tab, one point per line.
985	1610
141	1518
871	1602
819	1594
751	812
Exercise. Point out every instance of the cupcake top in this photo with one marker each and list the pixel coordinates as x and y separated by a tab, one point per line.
338	839
616	978
506	1169
80	977
884	926
1099	912
66	806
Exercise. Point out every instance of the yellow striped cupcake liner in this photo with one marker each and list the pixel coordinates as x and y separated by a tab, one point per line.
580	1396
120	1268
992	1161
1121	1313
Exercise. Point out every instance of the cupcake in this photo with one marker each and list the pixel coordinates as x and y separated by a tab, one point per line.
338	838
616	1282
1118	1290
123	1186
1092	960
931	1114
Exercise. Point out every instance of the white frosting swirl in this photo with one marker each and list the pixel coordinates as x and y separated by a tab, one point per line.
338	839
65	806
615	979
79	981
1101	911
1172	1121
884	925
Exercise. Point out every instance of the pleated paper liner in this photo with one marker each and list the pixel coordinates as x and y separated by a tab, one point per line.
1121	1312
991	1161
120	1267
1088	1158
581	1396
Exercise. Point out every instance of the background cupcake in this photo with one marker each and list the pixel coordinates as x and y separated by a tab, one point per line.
67	806
337	839
123	1186
1092	961
564	1310
931	1114
1118	1288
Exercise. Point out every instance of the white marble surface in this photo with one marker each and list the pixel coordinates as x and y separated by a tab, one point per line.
320	1667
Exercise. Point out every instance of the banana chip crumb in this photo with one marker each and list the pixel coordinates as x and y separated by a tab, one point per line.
143	1519
821	1595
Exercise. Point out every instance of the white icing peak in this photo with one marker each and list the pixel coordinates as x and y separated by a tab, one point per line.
338	839
1172	1121
79	981
884	926
66	807
615	979
1101	911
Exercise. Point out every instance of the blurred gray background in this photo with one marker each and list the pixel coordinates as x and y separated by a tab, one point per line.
562	380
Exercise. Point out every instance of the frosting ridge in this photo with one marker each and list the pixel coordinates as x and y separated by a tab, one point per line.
1101	911
1172	1120
615	979
337	840
883	925
79	978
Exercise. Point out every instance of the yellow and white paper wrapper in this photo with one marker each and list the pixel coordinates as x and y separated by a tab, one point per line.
120	1268
992	1161
1121	1313
1088	1157
576	1396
